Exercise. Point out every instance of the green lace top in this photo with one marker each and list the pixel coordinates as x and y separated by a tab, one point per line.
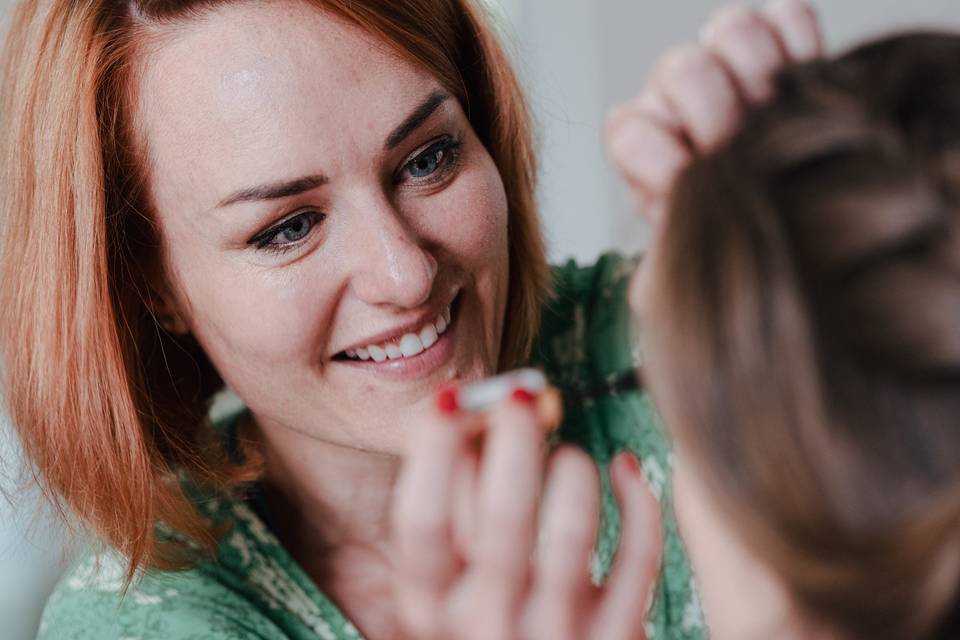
256	590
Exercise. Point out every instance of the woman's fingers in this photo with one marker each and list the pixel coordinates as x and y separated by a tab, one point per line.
465	491
648	154
754	45
508	492
701	93
798	28
562	595
690	104
625	599
478	583
422	523
748	44
696	96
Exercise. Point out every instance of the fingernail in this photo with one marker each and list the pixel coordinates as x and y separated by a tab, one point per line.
522	396
630	463
447	401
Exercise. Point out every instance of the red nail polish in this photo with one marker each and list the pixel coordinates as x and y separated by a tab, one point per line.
522	396
630	463
447	401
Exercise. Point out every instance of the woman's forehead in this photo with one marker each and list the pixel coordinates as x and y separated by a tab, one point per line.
248	57
253	84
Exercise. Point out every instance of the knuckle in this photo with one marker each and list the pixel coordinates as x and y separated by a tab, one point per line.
692	66
423	528
678	59
613	128
626	141
795	17
737	20
800	9
748	41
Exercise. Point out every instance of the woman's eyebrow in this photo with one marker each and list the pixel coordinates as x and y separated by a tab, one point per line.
416	118
274	191
287	188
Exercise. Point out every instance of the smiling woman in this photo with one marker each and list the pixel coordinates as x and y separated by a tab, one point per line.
327	207
309	215
265	211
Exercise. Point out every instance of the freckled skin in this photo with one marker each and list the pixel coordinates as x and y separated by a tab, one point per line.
285	91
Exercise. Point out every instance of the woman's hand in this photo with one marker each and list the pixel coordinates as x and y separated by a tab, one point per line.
696	94
478	554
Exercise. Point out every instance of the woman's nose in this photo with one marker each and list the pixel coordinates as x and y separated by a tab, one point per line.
394	268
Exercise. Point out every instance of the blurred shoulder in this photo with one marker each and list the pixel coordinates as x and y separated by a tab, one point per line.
586	331
610	269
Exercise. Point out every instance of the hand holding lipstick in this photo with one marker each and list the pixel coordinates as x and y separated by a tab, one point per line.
494	533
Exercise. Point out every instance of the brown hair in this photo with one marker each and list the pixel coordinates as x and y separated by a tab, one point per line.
804	334
111	407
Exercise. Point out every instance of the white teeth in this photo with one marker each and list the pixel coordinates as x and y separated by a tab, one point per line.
410	345
429	336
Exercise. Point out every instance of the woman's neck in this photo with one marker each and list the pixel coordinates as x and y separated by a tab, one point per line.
329	505
324	496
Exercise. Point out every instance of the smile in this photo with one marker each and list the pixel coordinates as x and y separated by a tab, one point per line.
408	345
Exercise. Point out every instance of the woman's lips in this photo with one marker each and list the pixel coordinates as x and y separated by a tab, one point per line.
391	359
408	345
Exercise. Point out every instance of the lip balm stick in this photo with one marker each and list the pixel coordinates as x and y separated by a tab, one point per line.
485	394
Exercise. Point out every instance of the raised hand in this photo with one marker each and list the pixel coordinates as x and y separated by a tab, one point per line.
696	95
480	556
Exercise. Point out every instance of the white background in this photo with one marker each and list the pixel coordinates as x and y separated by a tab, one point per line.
577	58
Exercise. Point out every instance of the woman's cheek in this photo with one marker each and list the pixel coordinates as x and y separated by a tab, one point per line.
475	214
261	316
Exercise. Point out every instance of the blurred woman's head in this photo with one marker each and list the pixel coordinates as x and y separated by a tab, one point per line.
802	309
327	205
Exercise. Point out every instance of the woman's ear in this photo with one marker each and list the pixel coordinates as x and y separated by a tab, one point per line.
172	322
165	309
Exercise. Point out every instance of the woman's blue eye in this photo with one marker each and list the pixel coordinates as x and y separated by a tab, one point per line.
437	156
288	232
426	163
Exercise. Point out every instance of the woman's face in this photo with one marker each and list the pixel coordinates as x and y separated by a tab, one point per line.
320	201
